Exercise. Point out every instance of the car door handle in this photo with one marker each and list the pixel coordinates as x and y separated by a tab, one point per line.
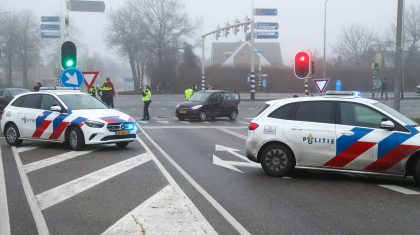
347	133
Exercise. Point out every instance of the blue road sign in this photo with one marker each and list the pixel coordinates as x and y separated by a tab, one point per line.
338	85
71	78
50	19
264	82
50	34
267	25
267	35
50	27
265	11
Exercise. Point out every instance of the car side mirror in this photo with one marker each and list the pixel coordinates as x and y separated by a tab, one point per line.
388	125
56	108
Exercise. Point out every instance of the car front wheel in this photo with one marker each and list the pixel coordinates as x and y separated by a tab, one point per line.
203	116
12	135
416	171
277	160
233	115
75	138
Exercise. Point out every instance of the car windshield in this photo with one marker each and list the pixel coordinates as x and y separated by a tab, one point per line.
82	101
396	114
199	96
17	92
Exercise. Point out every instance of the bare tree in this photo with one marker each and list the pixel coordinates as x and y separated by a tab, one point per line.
8	46
412	30
166	23
356	44
27	42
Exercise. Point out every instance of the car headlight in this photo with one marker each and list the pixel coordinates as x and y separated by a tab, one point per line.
197	106
129	126
94	124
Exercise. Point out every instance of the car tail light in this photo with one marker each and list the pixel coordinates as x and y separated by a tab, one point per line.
253	126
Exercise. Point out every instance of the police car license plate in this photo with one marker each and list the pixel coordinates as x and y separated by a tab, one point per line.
122	132
182	111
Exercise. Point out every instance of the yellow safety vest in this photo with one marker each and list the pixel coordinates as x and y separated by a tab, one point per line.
147	95
188	93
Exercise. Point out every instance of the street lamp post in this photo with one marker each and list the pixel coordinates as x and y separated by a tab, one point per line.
325	34
252	85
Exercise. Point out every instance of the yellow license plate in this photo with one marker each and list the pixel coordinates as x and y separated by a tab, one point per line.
122	132
182	111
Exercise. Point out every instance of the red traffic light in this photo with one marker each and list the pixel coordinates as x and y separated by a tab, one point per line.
302	66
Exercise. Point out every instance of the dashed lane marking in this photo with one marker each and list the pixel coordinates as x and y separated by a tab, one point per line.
41	225
74	187
163	122
163	213
26	148
4	211
232	133
235	224
399	189
53	160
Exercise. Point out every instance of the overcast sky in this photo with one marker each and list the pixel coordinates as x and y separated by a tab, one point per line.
301	21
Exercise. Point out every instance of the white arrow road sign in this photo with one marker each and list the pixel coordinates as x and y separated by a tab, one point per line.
72	79
231	164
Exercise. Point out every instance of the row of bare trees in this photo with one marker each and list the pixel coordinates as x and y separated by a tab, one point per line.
19	44
150	34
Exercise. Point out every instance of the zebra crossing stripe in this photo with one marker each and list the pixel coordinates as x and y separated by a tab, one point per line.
53	160
74	187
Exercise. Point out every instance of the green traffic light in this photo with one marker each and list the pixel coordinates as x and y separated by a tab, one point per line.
69	63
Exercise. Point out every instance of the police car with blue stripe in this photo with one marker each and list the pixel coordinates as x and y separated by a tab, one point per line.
337	132
65	116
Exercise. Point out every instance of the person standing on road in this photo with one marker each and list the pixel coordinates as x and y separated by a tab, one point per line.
147	99
384	89
110	84
105	92
37	86
189	92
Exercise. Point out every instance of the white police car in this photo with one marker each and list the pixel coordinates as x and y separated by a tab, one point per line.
339	132
68	116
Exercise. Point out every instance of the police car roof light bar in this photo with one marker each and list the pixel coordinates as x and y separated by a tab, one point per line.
343	93
60	88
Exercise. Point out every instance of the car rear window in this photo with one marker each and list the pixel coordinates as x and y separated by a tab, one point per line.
284	112
18	102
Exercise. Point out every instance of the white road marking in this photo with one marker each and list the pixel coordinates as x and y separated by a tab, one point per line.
26	148
53	160
74	187
206	122
232	133
163	122
163	213
4	211
193	127
400	189
163	108
251	108
245	123
143	122
241	229
185	122
41	225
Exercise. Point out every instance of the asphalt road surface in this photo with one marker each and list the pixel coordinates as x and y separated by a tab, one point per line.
191	177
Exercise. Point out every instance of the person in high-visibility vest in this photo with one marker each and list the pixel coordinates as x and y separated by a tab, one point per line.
92	91
147	99
190	91
105	92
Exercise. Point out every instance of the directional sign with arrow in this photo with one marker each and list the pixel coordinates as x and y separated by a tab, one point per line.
71	78
232	164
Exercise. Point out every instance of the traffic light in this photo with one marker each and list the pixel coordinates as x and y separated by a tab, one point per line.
236	27
217	33
247	25
302	65
227	30
312	67
68	55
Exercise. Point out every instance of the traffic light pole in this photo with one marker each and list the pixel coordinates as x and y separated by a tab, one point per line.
398	56
203	74
252	84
